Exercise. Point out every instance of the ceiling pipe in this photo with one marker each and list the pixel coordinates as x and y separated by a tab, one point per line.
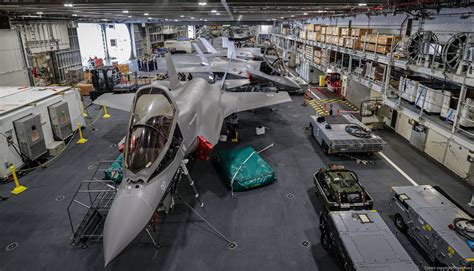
226	6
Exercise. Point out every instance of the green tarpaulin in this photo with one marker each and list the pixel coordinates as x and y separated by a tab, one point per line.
246	167
114	172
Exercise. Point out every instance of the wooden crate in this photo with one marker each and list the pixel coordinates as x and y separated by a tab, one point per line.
317	28
317	60
340	41
303	34
324	30
360	32
381	49
309	27
345	31
311	36
352	43
382	39
320	37
318	53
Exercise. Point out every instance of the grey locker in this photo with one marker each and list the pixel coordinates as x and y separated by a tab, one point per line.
60	120
30	136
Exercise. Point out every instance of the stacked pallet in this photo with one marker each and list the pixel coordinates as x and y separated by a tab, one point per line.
380	43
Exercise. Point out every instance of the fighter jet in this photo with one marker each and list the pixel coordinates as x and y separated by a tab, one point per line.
167	124
272	71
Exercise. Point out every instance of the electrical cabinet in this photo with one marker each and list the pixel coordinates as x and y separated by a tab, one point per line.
460	160
435	145
60	120
403	126
418	136
30	136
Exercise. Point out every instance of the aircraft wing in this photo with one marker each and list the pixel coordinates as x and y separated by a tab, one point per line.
234	83
117	101
241	101
200	69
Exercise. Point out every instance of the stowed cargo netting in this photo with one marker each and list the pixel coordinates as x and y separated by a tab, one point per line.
246	167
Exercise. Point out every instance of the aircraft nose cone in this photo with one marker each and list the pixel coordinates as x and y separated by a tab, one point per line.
127	217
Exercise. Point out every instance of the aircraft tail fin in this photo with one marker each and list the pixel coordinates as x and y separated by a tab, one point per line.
172	75
204	60
208	45
225	42
231	50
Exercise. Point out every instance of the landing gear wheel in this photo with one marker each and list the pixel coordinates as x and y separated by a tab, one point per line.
324	242
400	223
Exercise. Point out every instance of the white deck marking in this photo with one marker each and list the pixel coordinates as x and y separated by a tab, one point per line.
398	169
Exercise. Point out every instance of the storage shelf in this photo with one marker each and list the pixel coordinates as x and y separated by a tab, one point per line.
384	59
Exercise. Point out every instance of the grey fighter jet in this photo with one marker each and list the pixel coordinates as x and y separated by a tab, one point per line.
167	122
272	71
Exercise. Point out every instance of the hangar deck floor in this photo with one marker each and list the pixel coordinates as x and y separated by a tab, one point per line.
268	226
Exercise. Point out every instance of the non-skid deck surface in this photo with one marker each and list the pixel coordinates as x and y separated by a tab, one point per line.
270	224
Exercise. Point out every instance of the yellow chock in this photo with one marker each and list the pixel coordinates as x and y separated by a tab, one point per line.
236	138
81	140
106	115
84	113
18	188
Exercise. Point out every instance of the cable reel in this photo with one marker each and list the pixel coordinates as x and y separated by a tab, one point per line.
454	50
417	42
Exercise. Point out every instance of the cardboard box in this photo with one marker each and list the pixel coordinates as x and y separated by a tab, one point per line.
321	37
88	76
123	68
340	41
324	30
317	28
317	60
85	88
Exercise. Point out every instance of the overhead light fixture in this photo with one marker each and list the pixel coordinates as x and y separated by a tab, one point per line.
205	20
240	17
39	12
282	17
200	19
292	16
146	14
274	19
218	14
150	18
192	18
124	11
306	13
202	3
362	4
68	5
176	20
320	11
104	20
74	15
213	11
166	19
129	16
182	16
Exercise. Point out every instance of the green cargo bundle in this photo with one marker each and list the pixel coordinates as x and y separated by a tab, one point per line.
115	172
246	167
